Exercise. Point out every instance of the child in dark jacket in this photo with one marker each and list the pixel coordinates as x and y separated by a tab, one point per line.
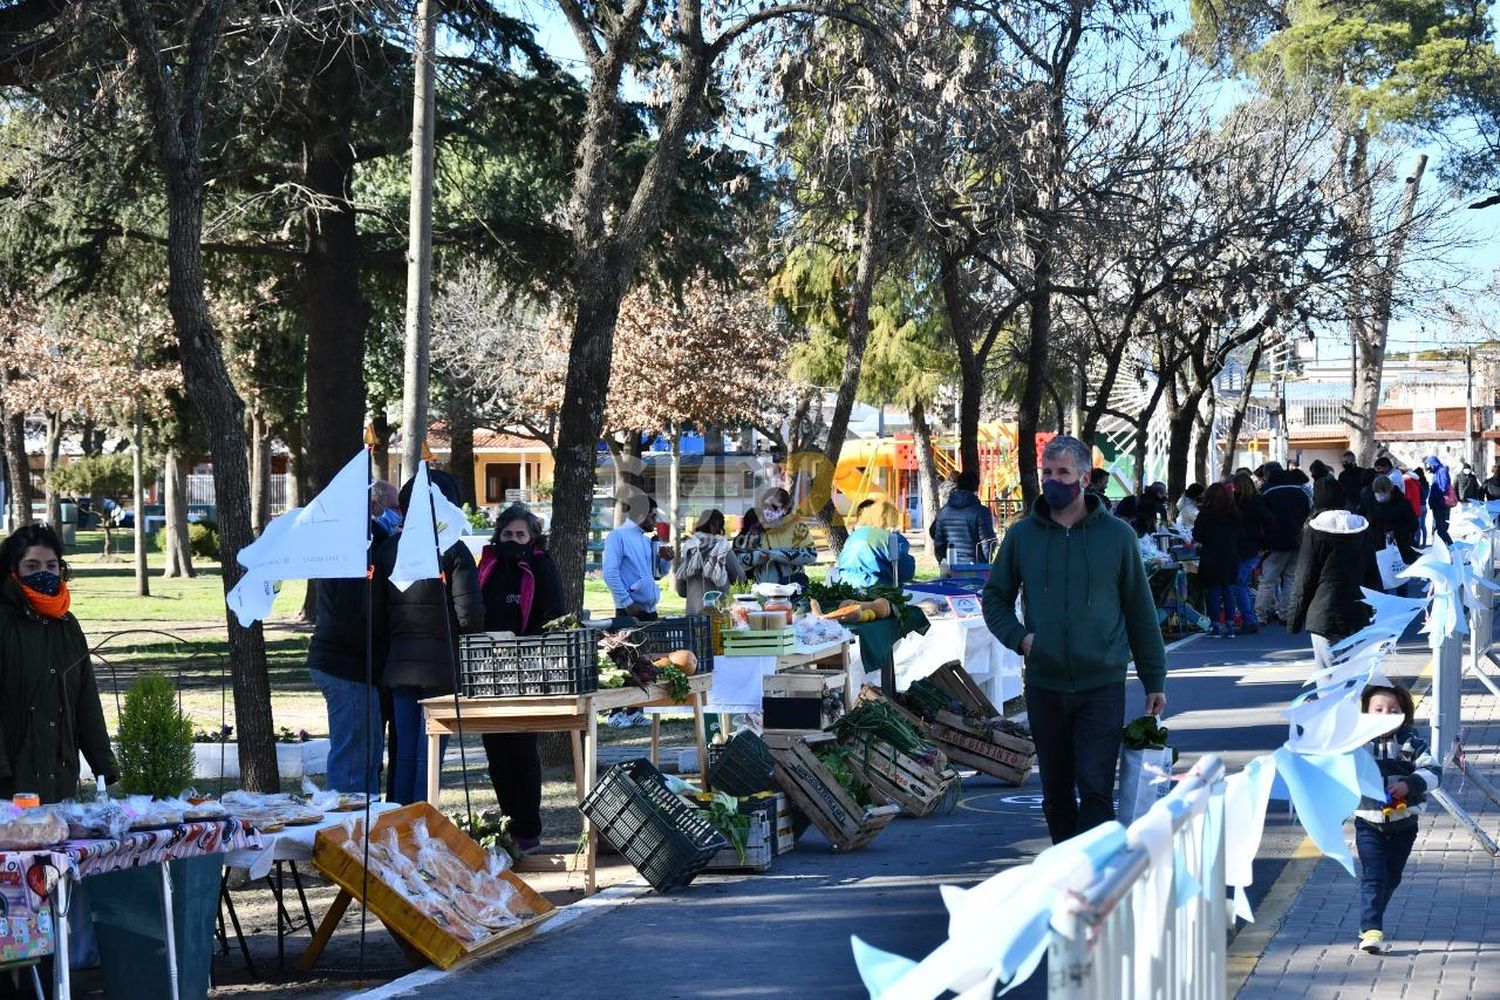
1384	832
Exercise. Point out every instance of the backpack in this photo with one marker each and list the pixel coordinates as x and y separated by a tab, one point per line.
1451	497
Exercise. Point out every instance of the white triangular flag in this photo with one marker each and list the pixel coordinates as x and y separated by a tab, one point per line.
328	538
417	549
447	518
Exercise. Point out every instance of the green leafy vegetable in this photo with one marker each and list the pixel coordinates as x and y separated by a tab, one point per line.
877	720
676	682
724	813
1146	733
836	758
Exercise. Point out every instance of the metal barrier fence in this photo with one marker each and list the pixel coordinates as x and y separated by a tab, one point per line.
1098	941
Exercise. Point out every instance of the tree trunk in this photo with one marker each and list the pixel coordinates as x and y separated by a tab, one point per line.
19	485
336	309
1204	425
52	451
1038	332
970	365
1179	442
1138	448
865	274
178	134
142	571
927	475
461	444
419	245
260	472
1369	331
178	561
1241	406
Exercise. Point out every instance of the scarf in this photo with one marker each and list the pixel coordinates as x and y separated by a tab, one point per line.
706	556
47	605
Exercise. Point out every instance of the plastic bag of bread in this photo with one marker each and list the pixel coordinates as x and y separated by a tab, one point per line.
30	829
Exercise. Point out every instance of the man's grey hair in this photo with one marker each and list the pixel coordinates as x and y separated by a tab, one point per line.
1082	457
385	494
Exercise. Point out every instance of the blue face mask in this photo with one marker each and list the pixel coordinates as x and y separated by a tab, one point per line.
390	520
1059	495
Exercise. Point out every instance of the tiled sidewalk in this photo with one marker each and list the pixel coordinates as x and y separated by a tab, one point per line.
1443	925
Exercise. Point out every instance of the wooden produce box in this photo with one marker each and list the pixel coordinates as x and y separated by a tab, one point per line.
760	849
758	642
997	754
403	919
919	789
955	681
847	825
786	831
792	702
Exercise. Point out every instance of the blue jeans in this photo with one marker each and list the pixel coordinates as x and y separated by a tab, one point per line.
1078	754
1383	850
1220	602
1244	597
356	738
409	768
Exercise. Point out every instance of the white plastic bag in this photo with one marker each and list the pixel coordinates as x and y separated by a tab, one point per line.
1391	566
1145	776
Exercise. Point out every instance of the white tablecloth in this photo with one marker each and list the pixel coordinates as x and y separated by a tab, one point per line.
295	843
739	683
996	669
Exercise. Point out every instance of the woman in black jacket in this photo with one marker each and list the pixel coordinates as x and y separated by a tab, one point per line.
1217	532
522	592
422	624
1256	522
1326	599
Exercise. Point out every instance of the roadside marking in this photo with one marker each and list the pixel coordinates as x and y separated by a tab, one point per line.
1249	944
1014	802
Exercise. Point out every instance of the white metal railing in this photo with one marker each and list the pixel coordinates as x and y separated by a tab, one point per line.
1098	950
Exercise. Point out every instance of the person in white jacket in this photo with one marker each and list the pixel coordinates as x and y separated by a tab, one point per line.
634	560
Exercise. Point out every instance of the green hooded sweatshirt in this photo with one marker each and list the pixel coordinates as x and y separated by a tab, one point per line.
1087	602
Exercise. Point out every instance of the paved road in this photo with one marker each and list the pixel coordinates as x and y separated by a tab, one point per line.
786	934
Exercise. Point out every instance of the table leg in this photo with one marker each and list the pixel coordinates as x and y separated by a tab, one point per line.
234	920
576	738
702	735
301	895
434	769
655	740
168	921
62	973
590	771
325	930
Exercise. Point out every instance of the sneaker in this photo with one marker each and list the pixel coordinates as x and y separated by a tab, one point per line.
619	720
639	718
528	845
1372	942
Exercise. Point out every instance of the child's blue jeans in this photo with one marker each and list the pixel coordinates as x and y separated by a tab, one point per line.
1383	850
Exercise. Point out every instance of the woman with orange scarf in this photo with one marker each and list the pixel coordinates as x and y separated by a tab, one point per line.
49	702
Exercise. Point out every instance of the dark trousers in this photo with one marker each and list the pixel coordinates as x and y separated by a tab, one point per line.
516	771
1440	514
1077	739
1383	850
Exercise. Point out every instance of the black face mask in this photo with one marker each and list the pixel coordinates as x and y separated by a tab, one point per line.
511	551
1348	464
43	582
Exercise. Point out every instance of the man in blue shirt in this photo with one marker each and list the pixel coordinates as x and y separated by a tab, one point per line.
634	560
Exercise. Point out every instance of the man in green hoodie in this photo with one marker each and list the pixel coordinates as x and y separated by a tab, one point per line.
1088	613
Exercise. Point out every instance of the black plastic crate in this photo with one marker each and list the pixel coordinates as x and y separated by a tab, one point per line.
668	841
496	666
693	632
742	766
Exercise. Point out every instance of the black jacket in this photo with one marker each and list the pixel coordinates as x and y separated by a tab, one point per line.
420	649
1330	569
1218	538
960	527
520	595
49	703
338	640
1394	516
1256	523
1352	482
1467	486
1289	506
1145	512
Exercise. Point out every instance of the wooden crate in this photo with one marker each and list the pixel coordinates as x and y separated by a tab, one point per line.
955	681
760	849
919	789
810	786
786	831
1009	761
404	920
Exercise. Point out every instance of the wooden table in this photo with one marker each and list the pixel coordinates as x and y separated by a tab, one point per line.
575	714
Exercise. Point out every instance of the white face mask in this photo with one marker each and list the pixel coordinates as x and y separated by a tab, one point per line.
772	516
